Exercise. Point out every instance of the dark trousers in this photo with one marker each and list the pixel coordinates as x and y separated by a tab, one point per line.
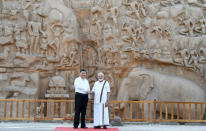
81	101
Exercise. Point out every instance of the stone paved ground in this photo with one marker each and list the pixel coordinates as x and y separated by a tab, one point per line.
44	126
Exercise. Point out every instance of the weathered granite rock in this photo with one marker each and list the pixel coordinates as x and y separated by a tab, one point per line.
40	37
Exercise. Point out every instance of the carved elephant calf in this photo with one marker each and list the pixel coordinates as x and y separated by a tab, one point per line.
147	85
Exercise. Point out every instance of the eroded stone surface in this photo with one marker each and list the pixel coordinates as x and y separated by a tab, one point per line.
41	37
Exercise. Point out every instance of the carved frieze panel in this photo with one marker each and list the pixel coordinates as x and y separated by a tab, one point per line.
43	37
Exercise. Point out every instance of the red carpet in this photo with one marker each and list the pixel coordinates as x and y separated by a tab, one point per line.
80	129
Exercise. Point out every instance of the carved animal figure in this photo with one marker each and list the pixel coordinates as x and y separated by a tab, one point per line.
147	85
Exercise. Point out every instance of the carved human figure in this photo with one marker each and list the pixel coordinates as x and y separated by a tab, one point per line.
57	29
100	52
186	57
202	26
8	34
44	45
141	8
34	29
108	31
114	12
157	31
202	55
202	61
97	19
129	33
125	32
1	32
194	58
91	57
70	58
155	50
109	56
21	44
13	11
68	28
140	34
189	27
53	47
64	60
133	9
116	58
73	57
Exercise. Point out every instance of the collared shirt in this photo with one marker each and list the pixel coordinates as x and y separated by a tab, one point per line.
97	89
81	85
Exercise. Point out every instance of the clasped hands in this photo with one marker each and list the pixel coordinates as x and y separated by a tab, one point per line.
106	103
89	92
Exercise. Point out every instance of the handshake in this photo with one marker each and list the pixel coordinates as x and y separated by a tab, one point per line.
89	92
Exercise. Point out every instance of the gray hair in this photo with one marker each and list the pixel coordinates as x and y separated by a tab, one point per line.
100	73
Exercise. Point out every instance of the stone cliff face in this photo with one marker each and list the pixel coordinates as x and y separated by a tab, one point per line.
42	38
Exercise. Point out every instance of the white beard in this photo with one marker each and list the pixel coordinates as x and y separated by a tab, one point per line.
100	80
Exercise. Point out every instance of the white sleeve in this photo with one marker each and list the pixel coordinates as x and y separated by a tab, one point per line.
75	84
107	86
88	85
93	89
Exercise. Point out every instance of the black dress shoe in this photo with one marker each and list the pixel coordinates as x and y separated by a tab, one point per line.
105	127
84	127
75	127
97	127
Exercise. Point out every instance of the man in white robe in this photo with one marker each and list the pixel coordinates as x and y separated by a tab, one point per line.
101	91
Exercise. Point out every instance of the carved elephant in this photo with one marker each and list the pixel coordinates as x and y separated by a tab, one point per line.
147	85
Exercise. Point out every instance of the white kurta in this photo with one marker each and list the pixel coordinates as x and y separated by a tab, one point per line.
101	113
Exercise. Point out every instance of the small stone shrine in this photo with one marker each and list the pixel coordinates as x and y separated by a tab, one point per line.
57	88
